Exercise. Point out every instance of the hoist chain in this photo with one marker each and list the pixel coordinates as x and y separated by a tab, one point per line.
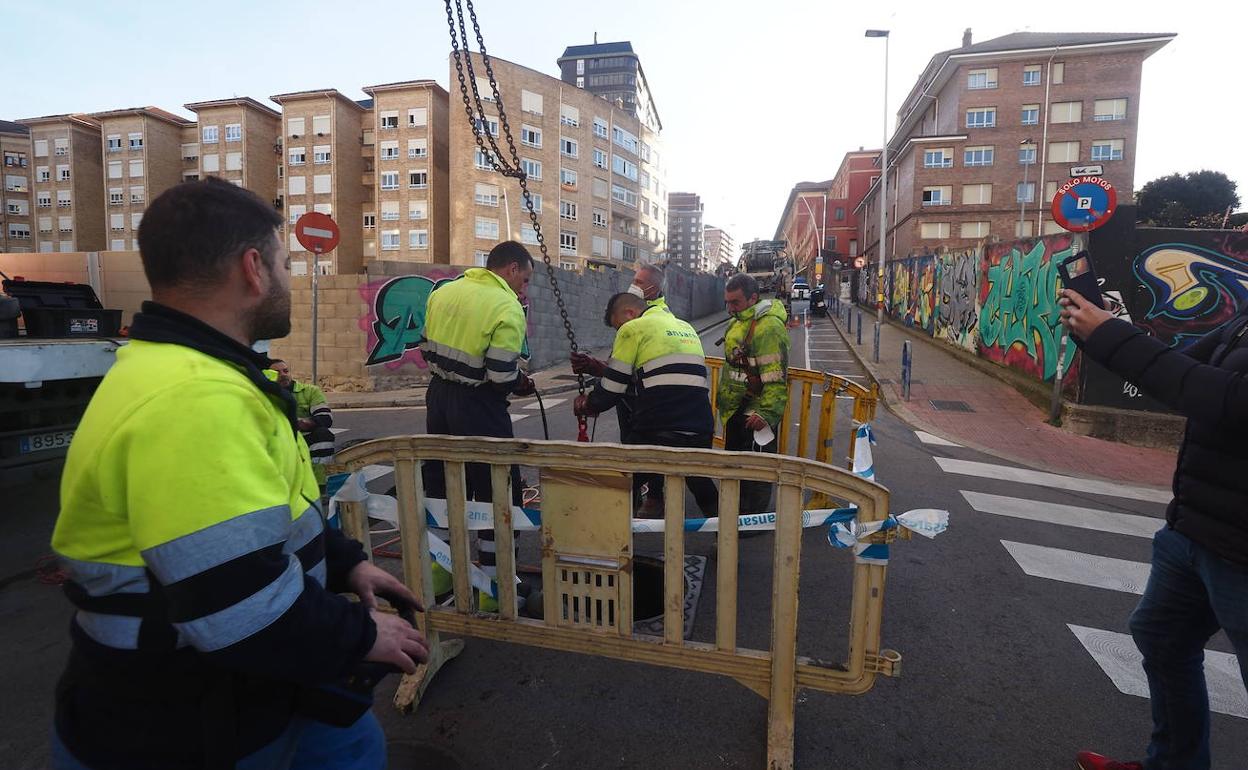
477	118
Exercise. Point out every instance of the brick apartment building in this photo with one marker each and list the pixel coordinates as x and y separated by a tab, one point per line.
685	245
827	212
16	224
719	247
68	174
239	140
989	130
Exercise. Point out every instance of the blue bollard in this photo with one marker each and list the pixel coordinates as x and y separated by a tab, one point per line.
859	328
907	364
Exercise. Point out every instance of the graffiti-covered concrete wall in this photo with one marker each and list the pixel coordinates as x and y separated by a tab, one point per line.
957	310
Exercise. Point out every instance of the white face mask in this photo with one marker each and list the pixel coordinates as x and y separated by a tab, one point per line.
636	291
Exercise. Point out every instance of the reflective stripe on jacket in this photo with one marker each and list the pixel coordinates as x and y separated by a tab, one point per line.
474	330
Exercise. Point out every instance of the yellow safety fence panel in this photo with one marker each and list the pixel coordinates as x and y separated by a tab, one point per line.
587	561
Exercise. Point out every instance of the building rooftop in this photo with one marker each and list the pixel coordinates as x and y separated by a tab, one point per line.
84	120
236	101
597	49
151	112
400	86
315	93
9	127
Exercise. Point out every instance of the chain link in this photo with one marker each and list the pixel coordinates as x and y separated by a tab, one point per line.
477	116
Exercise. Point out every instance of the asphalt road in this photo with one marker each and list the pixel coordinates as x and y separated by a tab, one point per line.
1012	626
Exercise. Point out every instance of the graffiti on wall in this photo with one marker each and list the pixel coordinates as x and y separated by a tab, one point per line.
1019	321
911	296
1191	289
957	314
395	321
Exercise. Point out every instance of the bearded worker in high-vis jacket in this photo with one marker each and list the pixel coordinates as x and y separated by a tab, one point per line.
209	631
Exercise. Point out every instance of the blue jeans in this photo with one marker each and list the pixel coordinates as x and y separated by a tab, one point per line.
1191	593
306	745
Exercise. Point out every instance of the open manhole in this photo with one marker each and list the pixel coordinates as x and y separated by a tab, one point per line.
648	593
950	406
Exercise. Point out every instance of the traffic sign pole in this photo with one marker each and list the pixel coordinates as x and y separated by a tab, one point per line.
318	233
316	268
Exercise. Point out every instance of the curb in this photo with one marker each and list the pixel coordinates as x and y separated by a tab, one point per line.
903	413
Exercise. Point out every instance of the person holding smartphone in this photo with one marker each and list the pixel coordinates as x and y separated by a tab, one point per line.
1198	583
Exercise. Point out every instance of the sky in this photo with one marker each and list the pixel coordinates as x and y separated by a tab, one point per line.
754	97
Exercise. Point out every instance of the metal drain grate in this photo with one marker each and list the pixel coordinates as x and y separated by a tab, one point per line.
950	406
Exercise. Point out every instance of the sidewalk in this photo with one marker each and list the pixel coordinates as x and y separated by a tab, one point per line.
556	379
1003	422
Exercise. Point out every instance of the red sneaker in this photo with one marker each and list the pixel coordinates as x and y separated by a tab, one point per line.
1087	760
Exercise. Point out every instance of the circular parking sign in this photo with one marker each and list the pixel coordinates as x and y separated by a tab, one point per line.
1084	203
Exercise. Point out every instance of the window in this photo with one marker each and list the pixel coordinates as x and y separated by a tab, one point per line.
624	139
1031	75
486	194
853	248
114	142
1059	76
212	162
41	148
294	125
67	246
1024	229
417	210
569	116
487	125
63	199
43	174
43	200
324	208
297	211
19	232
135	219
483	160
418	239
530	136
389	120
1109	109
623	195
600	188
537	202
938	158
320	125
567	210
417	116
370	221
137	195
234	132
487	228
569	147
190	151
599	246
233	161
567	242
191	176
118	244
1063	152
417	179
600	130
209	134
937	196
1026	192
1027	154
321	154
934	230
1030	115
1107	149
389	240
297	185
974	230
321	183
977	156
65	224
484	88
390	150
18	207
417	148
531	102
975	194
62	145
1066	112
600	218
600	158
533	168
985	78
528	234
480	257
981	117
839	214
567	177
389	211
297	156
623	167
1050	190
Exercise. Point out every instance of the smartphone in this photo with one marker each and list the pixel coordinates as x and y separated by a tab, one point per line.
1077	274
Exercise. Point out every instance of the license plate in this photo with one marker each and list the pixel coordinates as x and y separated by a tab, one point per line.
41	442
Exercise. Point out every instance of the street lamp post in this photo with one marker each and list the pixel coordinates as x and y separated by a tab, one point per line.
882	198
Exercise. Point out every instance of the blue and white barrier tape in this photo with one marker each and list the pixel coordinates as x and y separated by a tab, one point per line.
864	464
928	522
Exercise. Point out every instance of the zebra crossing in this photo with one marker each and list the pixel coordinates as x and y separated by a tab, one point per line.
1112	650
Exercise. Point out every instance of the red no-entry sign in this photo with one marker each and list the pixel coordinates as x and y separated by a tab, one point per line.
317	232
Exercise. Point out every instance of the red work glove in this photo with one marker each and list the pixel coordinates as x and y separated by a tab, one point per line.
754	422
581	407
524	386
583	363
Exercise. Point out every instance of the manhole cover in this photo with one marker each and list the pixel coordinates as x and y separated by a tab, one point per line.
648	593
950	406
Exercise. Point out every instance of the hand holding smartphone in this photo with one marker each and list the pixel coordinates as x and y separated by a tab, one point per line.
1077	274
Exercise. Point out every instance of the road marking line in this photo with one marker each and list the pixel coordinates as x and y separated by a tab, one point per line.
1083	569
373	408
549	403
519	417
1066	515
1052	480
928	438
1121	661
806	344
336	431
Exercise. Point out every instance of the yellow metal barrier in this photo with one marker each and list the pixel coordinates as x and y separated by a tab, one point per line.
587	562
798	416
